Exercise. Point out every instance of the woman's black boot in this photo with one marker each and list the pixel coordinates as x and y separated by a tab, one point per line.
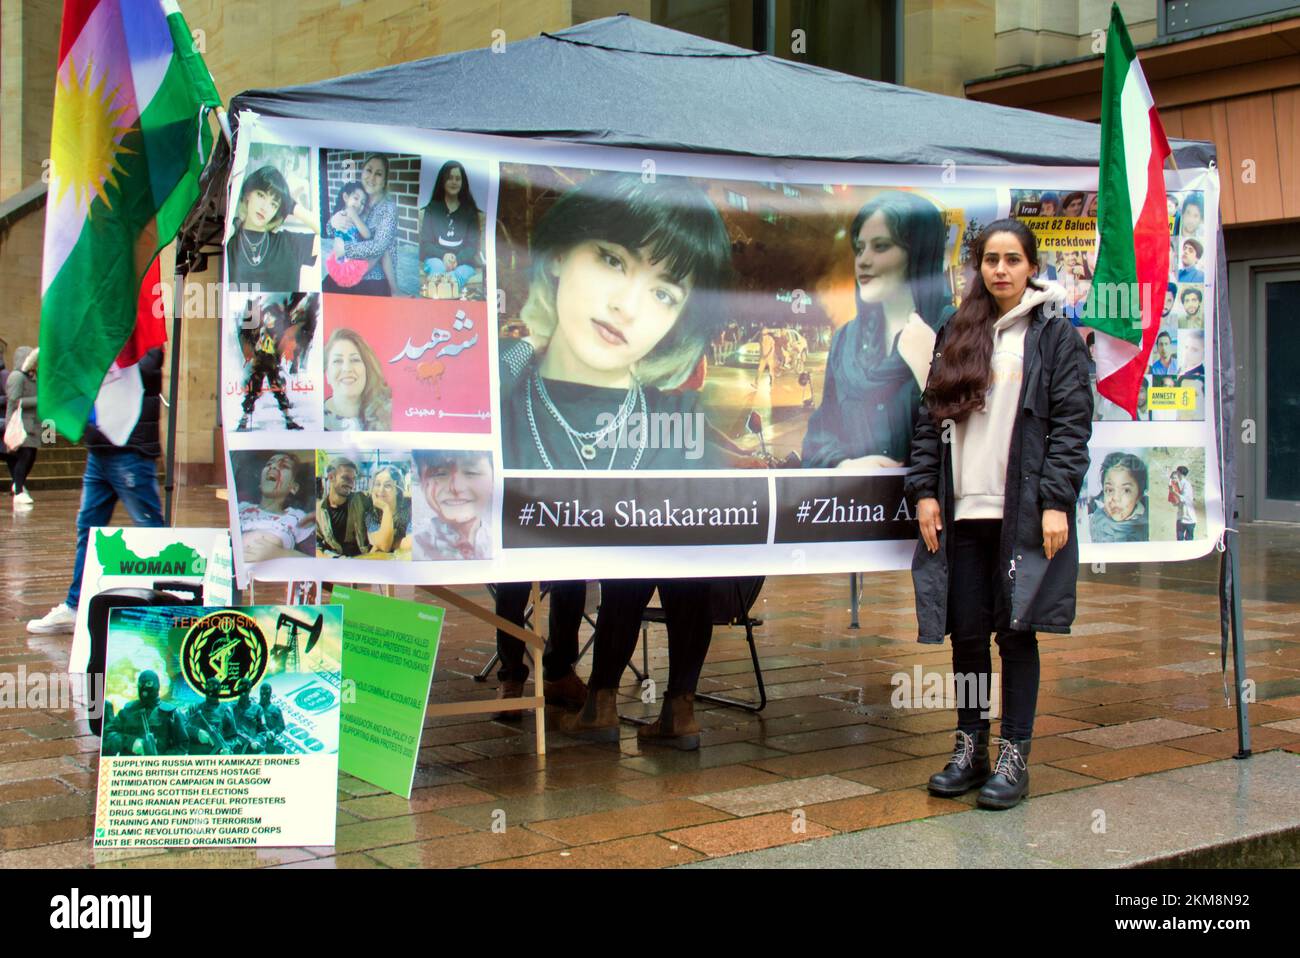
968	768
1009	782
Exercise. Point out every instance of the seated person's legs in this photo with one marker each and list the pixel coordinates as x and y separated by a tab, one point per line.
688	613
562	685
622	602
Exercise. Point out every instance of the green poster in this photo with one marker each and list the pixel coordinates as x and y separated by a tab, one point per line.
389	647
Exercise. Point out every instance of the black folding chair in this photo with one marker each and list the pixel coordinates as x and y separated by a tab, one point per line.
731	600
101	604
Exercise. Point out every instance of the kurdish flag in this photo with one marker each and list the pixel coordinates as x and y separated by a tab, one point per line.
1133	222
129	141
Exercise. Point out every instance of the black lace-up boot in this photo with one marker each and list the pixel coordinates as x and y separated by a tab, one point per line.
1009	782
968	768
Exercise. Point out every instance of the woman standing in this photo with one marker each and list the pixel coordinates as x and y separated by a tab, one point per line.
380	218
449	229
20	389
879	360
998	461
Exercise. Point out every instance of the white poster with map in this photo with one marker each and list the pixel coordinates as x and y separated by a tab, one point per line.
140	559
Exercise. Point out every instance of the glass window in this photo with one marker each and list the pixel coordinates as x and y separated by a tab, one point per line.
851	36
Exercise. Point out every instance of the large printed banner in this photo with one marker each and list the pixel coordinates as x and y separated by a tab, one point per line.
451	358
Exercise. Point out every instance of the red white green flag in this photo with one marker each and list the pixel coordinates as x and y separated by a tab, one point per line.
1128	287
130	138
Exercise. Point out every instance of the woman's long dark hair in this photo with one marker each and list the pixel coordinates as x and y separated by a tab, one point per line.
916	225
958	384
440	187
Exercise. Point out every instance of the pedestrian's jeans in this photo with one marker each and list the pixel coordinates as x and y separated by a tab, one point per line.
978	605
124	475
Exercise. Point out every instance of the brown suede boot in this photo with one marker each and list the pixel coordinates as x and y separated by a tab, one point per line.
676	725
569	692
598	720
510	690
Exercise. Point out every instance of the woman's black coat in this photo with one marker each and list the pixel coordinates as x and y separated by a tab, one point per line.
1046	465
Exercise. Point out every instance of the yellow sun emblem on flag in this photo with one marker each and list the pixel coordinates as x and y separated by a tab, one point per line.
87	139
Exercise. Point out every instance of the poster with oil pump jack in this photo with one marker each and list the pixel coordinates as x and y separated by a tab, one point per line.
224	726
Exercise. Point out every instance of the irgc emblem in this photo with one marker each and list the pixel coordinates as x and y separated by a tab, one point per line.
227	646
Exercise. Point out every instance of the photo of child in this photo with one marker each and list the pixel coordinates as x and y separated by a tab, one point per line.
363	505
271	367
1120	505
1117	503
452	510
273	242
274	492
1179	506
347	226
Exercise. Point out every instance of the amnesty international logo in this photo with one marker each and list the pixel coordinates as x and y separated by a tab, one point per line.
227	646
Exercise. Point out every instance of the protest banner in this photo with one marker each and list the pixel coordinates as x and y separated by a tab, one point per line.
542	360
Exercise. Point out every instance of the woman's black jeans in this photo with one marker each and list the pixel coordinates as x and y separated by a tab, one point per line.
977	605
567	602
688	616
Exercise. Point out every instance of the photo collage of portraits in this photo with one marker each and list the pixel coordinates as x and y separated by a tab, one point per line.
1148	493
356	347
1173	387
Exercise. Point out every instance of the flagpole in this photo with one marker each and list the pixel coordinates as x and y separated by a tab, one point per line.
178	300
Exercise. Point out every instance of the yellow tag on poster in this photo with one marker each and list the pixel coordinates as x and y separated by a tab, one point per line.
1171	397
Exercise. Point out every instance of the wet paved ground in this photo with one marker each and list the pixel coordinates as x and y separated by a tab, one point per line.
1133	694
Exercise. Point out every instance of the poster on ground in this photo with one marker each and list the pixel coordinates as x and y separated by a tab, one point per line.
131	557
222	727
543	360
389	650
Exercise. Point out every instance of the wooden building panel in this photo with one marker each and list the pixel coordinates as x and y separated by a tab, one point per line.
1198	124
1286	112
1254	152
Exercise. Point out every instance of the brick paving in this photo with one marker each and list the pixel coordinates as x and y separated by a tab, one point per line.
1134	691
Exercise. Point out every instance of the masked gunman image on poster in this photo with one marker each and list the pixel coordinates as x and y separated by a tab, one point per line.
502	359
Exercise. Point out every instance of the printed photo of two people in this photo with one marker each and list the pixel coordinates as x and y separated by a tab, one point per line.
669	322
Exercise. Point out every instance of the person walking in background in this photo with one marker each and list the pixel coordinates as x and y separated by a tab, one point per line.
128	472
20	391
1184	497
